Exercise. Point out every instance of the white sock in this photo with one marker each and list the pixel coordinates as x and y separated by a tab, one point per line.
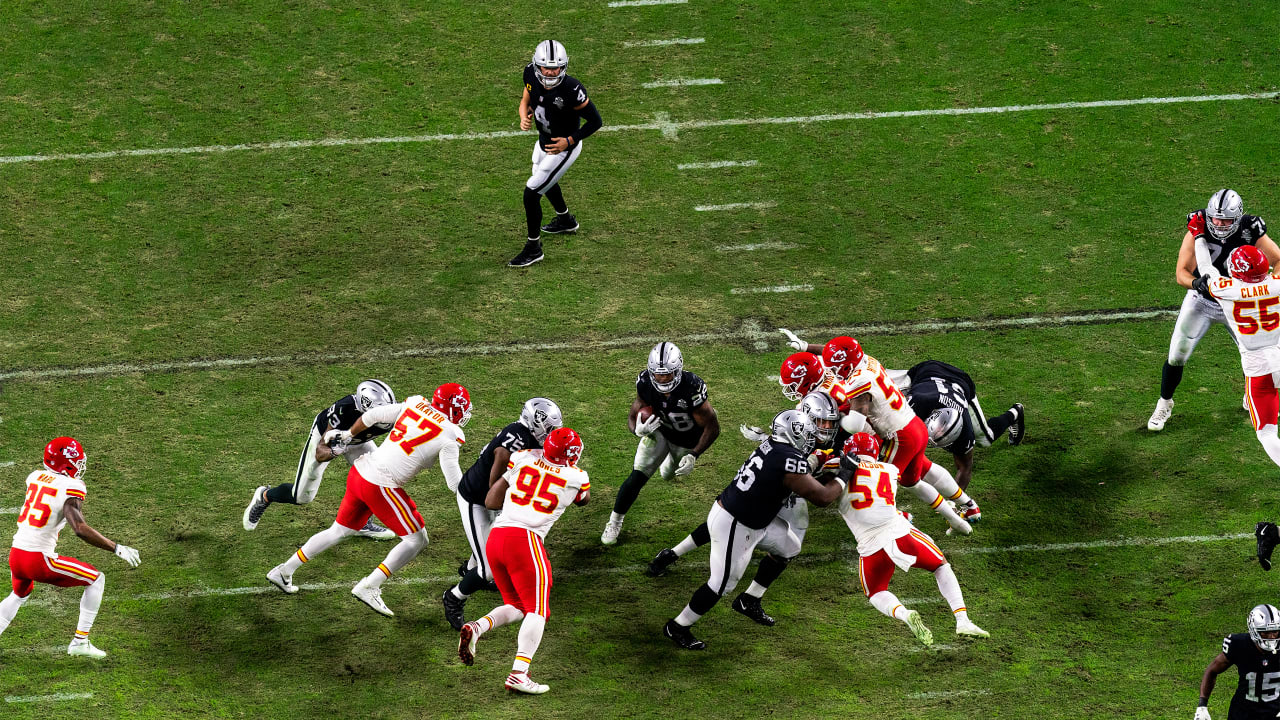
9	608
756	590
888	603
530	638
684	546
615	517
927	493
497	617
400	555
318	543
1270	443
950	588
457	592
687	617
945	484
89	604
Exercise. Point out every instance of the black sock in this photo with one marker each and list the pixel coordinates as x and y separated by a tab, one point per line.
282	494
629	491
704	598
472	582
1170	376
770	568
701	536
557	199
1000	423
533	213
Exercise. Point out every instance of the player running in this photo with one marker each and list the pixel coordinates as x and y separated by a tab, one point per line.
55	497
1255	656
532	495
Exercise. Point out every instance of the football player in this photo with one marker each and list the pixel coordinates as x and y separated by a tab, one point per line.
316	455
887	539
682	427
424	431
538	418
1249	299
745	515
532	495
55	497
1212	234
557	103
1255	656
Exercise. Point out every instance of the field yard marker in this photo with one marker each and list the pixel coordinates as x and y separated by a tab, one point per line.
682	82
718	164
736	206
752	247
7	463
641	3
745	333
944	694
669	129
805	287
662	43
10	511
57	697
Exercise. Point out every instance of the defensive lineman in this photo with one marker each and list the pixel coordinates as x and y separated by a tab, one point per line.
1255	656
316	455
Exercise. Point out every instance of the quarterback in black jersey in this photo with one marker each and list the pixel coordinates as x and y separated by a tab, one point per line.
1254	654
682	427
316	454
538	418
558	104
1212	233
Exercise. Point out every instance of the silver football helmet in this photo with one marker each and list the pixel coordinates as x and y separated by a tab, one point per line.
1265	619
1224	205
824	413
796	429
372	393
665	359
945	427
541	416
550	54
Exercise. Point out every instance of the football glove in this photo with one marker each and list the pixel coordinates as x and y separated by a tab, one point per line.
128	554
686	464
338	441
1201	285
648	427
1202	713
796	343
753	433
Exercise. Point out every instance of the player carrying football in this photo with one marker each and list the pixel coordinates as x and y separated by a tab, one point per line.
1255	656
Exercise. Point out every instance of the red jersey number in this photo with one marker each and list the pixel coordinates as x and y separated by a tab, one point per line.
534	488
35	512
429	428
883	488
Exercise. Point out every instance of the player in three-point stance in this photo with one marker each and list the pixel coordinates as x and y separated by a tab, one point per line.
682	427
532	495
1212	234
424	431
55	497
1255	656
538	418
887	539
316	455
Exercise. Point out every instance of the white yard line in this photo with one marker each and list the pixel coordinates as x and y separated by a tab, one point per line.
771	289
663	43
744	333
944	694
7	463
752	247
682	82
736	206
643	3
666	128
56	697
10	511
718	164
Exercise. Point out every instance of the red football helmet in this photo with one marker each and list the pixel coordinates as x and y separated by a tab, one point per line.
563	447
862	444
1247	263
843	355
454	401
800	373
65	455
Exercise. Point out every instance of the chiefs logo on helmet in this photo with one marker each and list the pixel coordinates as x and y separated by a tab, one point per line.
1248	264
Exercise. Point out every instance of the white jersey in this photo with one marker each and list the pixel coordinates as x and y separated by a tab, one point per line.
538	492
420	435
889	409
1253	314
870	510
41	517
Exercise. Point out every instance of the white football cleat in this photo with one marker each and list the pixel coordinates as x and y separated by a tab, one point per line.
371	596
1164	409
521	682
373	530
966	627
277	577
922	633
257	506
467	643
611	532
85	649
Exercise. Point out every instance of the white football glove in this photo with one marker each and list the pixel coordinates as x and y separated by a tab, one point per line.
648	427
337	440
686	465
1202	713
796	343
753	433
128	554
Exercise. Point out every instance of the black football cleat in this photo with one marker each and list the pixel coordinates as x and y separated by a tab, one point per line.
681	636
1018	430
531	254
1268	537
751	607
462	569
453	608
565	223
665	559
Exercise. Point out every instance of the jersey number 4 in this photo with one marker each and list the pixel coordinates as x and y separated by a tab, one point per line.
534	490
1267	318
429	431
35	512
884	489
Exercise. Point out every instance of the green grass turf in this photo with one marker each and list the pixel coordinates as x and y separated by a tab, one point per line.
401	246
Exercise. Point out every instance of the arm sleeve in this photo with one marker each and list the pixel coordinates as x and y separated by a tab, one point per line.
449	465
382	414
594	123
1204	265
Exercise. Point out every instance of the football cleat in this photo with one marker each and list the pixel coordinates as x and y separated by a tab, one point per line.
681	636
531	254
565	223
1268	535
922	633
282	581
85	649
522	683
1018	430
970	511
966	627
453	607
257	506
467	643
663	561
371	596
751	607
1164	409
373	530
611	532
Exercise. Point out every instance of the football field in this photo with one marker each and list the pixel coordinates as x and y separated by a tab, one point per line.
220	217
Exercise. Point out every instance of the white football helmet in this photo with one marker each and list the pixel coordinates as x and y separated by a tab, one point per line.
1224	205
796	429
1265	619
824	413
541	416
372	393
665	359
550	54
945	427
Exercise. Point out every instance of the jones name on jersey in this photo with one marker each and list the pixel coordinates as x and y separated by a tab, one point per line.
342	415
538	492
554	111
475	481
1251	228
675	409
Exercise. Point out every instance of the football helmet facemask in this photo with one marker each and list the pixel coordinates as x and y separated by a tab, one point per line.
66	456
550	54
1265	619
1224	205
800	373
665	359
824	413
945	426
1247	263
454	401
563	447
372	393
795	429
541	416
843	356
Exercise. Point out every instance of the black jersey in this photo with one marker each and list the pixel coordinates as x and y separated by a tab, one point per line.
1251	228
475	481
342	415
554	111
757	492
675	408
1258	692
936	385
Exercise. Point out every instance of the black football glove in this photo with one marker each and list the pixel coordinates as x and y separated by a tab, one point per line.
1201	285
